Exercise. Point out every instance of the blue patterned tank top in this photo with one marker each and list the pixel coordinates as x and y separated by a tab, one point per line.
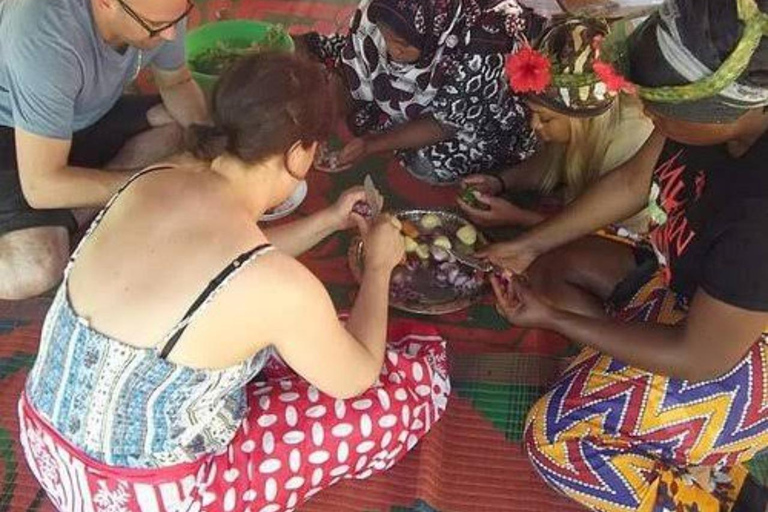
128	406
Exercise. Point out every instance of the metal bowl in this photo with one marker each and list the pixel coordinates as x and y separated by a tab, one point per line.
435	299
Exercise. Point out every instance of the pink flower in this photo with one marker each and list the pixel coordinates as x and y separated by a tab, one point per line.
612	79
528	71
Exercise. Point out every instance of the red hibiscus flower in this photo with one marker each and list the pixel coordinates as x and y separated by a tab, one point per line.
612	79
528	71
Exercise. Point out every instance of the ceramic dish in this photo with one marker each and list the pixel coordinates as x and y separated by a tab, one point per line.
289	205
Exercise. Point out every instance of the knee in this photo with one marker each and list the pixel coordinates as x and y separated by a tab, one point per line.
560	265
35	281
551	277
535	424
544	441
32	270
40	276
536	443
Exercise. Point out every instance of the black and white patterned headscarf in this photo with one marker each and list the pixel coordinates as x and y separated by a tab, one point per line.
442	29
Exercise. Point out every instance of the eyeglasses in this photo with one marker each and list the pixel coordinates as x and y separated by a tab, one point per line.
146	25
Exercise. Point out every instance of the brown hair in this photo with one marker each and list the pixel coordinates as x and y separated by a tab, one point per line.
262	105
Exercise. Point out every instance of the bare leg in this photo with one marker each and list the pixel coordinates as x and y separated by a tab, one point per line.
581	276
146	148
149	147
32	261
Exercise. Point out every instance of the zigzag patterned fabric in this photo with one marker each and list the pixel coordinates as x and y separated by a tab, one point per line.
616	438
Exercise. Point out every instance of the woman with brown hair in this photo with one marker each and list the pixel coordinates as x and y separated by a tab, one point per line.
160	382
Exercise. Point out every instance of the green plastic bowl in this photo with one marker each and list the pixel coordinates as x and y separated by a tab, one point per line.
238	33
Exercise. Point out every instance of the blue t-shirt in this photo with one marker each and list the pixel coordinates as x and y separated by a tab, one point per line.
57	75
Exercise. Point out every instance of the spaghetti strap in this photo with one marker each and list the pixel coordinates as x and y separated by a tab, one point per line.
104	211
216	284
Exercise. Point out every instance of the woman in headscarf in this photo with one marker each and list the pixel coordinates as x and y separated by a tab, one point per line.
426	79
667	400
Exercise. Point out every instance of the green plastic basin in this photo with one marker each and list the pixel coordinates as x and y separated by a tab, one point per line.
236	33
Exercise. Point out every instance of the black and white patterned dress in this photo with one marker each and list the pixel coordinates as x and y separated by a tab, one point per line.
466	91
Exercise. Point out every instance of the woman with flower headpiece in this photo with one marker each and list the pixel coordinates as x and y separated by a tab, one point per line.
426	79
587	129
668	398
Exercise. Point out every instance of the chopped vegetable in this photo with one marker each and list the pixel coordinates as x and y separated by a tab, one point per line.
439	253
327	158
430	221
442	241
430	243
410	244
363	209
468	196
213	61
400	276
409	229
422	251
467	234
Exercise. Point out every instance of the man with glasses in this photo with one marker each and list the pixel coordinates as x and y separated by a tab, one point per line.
65	120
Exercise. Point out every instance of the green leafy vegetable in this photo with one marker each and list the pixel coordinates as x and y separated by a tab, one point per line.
213	61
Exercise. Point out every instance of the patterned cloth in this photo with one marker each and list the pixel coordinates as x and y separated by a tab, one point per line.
129	406
572	47
459	80
616	438
294	442
124	405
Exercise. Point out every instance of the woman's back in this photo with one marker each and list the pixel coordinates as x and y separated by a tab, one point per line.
185	303
102	378
166	238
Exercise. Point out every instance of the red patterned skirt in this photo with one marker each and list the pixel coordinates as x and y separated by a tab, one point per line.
294	442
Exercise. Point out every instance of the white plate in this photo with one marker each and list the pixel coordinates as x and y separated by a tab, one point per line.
289	205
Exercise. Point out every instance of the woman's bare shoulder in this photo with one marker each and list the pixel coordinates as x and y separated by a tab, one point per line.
277	277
